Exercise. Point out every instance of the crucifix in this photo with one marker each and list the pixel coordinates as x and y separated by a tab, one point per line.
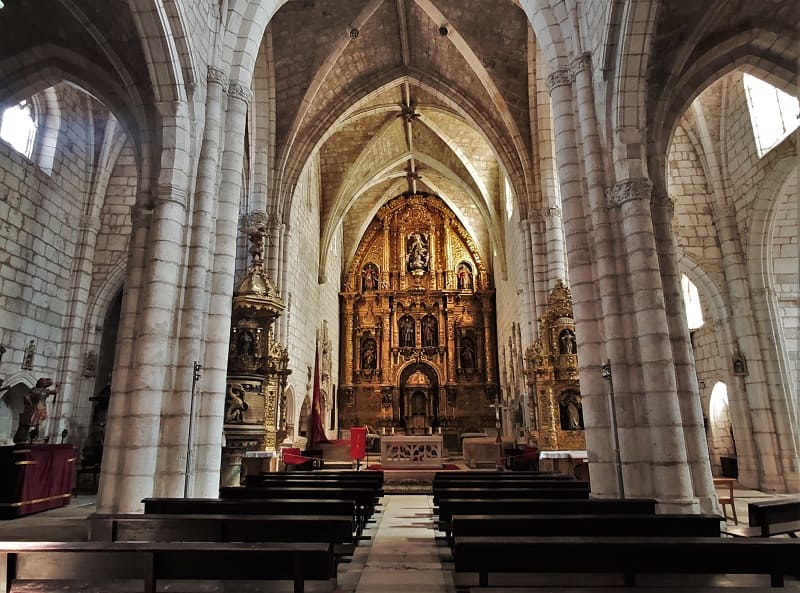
499	440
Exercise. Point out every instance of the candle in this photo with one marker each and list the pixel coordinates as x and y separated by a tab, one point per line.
392	430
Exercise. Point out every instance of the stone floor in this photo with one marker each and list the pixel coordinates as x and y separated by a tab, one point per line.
403	551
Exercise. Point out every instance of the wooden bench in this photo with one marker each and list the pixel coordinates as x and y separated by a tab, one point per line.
99	562
450	507
364	498
310	482
769	517
626	555
586	524
506	493
532	484
473	473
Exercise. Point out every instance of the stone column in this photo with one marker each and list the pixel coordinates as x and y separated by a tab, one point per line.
210	419
770	449
180	413
591	347
685	371
70	381
554	237
146	379
529	290
654	443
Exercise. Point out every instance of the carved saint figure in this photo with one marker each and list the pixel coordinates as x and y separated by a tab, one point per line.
368	355
464	276
246	344
429	337
407	332
467	354
34	411
567	343
416	252
369	277
571	412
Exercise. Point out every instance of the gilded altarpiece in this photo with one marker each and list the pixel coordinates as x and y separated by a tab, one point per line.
552	376
418	324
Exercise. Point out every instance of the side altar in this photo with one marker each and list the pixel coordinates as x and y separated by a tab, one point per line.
408	452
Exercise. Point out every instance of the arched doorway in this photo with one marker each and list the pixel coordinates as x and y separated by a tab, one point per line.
419	398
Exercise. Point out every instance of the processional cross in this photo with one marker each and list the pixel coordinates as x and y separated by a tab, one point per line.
499	440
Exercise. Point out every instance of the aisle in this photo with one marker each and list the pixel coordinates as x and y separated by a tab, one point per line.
403	555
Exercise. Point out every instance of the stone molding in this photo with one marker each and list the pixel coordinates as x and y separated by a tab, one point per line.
580	64
89	223
218	76
557	79
174	195
666	202
241	92
628	190
141	215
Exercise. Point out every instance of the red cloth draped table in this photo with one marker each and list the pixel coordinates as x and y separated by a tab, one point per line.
35	479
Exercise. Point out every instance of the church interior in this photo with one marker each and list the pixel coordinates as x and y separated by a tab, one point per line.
229	227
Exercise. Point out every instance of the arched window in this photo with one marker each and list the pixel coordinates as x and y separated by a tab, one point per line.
773	113
691	299
18	128
718	406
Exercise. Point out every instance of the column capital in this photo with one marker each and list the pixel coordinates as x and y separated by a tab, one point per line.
241	92
580	64
141	215
557	78
89	222
627	190
174	195
665	202
217	76
253	220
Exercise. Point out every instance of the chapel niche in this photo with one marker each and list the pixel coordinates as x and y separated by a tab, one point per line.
419	324
551	364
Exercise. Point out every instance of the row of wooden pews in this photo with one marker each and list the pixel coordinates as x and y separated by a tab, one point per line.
282	528
557	528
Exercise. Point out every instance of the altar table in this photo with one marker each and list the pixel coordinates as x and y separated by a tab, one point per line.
36	478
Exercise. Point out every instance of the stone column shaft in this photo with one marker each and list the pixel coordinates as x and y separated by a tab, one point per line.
597	413
180	415
208	443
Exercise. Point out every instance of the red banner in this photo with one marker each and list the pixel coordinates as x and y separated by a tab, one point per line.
358	443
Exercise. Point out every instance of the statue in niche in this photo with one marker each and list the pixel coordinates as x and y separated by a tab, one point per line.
464	276
34	411
571	411
235	406
467	354
567	343
407	332
369	277
27	357
416	252
90	364
430	336
245	344
369	355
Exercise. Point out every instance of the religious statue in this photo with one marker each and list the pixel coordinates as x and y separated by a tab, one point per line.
571	415
407	332
245	343
34	411
567	343
235	406
429	337
416	252
368	355
467	354
27	357
464	277
369	277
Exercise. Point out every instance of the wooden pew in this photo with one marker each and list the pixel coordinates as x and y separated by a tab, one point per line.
474	473
769	517
364	498
449	507
586	524
519	492
626	555
99	562
533	484
334	530
282	507
283	479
